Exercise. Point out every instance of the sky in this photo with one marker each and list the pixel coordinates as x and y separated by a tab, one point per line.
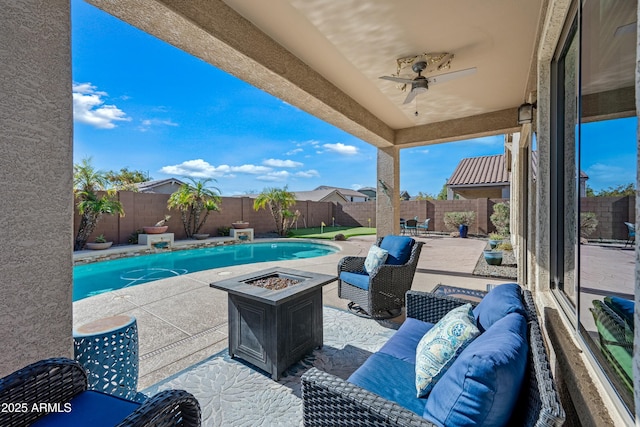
143	104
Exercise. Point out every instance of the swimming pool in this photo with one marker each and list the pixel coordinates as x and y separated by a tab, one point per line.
99	277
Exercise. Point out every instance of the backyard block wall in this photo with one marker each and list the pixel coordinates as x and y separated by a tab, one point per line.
357	214
611	213
146	209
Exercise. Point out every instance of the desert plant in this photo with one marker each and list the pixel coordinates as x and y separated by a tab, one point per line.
193	200
278	200
588	223
453	220
495	236
224	231
133	237
504	246
101	239
87	181
500	218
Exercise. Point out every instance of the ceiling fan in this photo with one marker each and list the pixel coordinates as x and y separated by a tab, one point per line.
420	84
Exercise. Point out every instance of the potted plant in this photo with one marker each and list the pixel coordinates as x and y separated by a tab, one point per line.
201	236
100	242
495	239
159	226
493	256
459	221
239	225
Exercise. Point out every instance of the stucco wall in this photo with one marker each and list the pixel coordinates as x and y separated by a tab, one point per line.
145	209
36	164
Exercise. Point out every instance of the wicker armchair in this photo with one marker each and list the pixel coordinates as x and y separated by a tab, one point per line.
332	401
43	392
386	285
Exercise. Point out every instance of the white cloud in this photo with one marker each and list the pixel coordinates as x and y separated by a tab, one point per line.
276	163
603	176
307	174
341	148
274	176
89	107
196	169
149	123
251	169
200	168
294	151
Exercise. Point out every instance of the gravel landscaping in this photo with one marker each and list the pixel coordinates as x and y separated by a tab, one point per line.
508	269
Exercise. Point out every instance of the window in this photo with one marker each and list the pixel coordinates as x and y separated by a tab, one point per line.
593	176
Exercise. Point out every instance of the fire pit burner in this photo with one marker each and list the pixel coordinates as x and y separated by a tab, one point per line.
274	282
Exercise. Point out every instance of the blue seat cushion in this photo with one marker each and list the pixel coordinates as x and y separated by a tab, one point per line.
497	303
390	378
623	308
90	408
481	387
403	343
361	280
399	248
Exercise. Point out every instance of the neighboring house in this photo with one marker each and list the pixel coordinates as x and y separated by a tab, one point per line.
487	177
348	194
370	192
160	186
404	195
480	177
321	195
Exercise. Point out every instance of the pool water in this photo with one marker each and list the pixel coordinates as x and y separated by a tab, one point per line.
99	277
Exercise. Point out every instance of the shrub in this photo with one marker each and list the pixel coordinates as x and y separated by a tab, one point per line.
133	237
504	246
224	231
453	220
500	218
588	223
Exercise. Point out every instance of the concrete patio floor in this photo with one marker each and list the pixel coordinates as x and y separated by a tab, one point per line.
182	320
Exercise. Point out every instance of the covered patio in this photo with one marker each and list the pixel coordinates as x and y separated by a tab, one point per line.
326	58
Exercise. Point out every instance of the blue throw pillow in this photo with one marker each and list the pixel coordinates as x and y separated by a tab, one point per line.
399	248
440	346
500	301
482	386
375	258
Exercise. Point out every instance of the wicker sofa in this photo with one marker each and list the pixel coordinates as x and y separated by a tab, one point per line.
329	400
53	392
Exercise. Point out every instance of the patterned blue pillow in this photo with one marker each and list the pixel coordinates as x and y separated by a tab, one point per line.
440	346
375	257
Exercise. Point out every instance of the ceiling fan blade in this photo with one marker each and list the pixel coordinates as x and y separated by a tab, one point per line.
450	76
397	79
410	96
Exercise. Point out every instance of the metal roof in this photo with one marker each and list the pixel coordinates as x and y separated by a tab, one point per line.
485	170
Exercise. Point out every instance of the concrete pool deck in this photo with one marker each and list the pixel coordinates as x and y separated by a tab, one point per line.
182	320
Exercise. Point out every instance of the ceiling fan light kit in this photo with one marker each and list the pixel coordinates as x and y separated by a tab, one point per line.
426	62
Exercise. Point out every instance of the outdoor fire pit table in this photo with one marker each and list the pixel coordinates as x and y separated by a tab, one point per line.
275	316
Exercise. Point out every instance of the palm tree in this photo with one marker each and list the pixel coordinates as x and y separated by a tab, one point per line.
87	181
192	200
279	200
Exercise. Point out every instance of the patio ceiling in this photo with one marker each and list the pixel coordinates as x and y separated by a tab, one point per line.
326	57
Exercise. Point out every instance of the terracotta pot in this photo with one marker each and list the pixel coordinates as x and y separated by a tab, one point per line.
155	230
98	246
240	225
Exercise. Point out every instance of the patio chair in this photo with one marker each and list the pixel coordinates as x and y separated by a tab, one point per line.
411	227
631	233
424	226
380	292
53	392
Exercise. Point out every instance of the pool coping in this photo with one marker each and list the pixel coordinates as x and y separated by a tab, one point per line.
88	256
